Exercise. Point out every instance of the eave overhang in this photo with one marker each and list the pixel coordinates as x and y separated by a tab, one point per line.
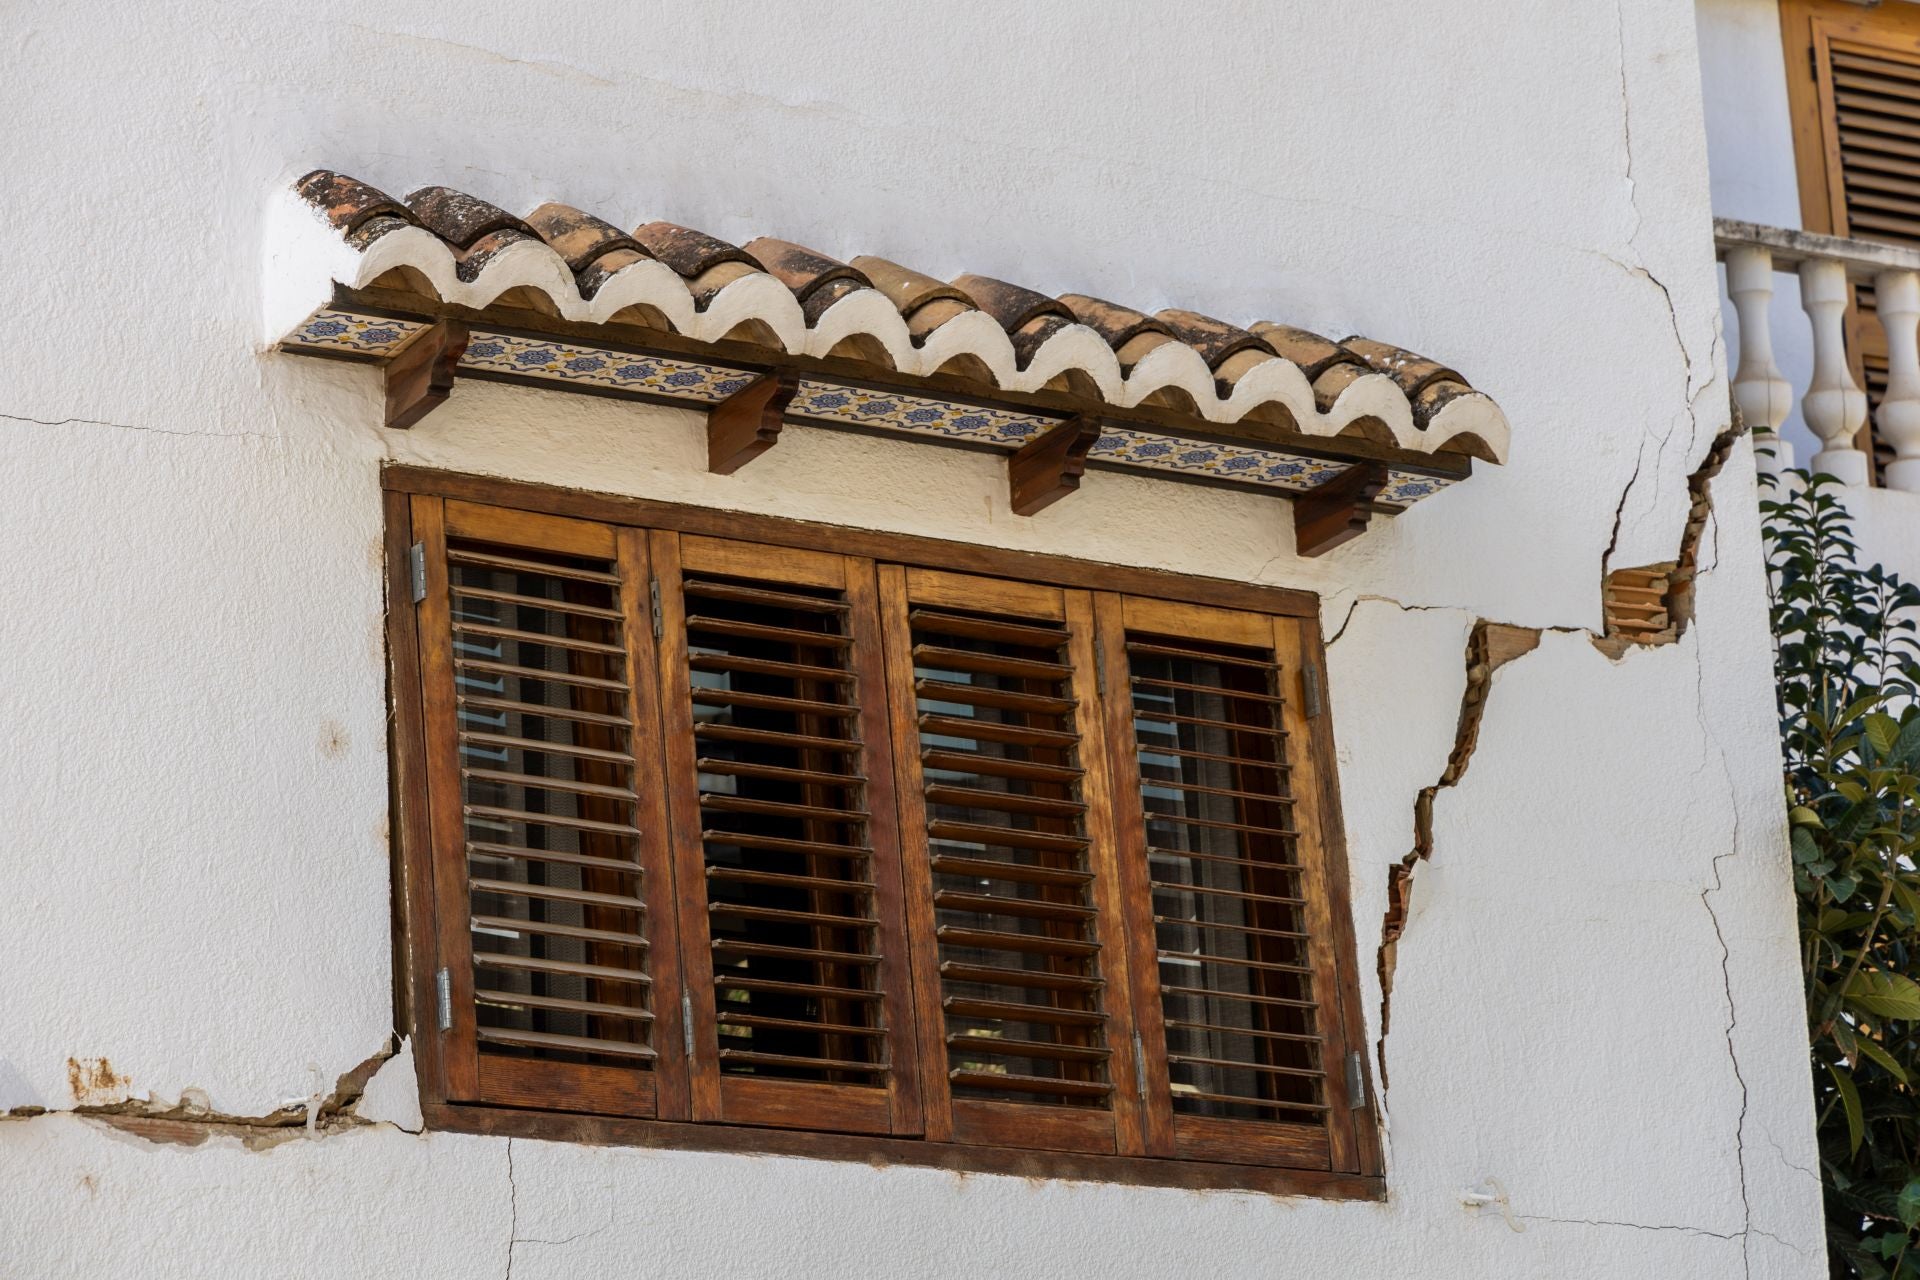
443	285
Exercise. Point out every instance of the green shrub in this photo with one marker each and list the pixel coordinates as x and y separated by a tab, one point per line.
1847	669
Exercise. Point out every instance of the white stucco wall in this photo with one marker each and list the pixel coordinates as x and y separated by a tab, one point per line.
1595	1000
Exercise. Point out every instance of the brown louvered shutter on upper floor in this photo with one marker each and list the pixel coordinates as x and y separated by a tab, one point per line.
1853	89
550	856
778	762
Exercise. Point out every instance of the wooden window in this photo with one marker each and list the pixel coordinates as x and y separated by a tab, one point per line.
722	831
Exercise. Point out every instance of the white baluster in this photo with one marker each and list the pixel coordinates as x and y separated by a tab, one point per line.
1834	406
1896	297
1762	395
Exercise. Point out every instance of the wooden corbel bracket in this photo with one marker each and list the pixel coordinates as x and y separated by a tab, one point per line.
420	377
747	423
1048	467
1337	511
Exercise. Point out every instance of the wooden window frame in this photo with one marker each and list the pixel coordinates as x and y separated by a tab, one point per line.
1183	1154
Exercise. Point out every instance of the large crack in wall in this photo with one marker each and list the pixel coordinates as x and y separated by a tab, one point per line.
1645	606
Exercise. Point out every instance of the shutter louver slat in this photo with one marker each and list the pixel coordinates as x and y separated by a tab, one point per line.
548	795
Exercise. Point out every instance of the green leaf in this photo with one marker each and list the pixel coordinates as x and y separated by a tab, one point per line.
1882	731
1887	995
1871	1048
1906	748
1908	1205
1850	1102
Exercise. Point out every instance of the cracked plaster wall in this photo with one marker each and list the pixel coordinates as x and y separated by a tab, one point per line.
1591	1002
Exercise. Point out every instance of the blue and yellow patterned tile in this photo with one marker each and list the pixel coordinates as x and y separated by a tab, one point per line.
825	402
1404	488
595	367
1227	462
343	331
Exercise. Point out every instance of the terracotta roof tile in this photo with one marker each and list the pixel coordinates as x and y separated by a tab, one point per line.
1412	372
1011	305
594	250
1117	324
689	252
801	269
1313	353
906	288
1215	340
348	202
579	238
461	219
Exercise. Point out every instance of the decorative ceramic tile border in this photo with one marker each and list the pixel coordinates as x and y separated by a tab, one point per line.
343	331
595	367
1404	488
826	402
547	360
1227	462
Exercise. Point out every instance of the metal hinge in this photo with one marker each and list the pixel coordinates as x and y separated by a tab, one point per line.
417	570
686	1023
653	600
1310	689
443	994
1139	1067
1356	1080
1100	667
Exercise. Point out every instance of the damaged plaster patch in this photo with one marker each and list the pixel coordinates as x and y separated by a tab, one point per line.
1653	604
1490	646
103	1095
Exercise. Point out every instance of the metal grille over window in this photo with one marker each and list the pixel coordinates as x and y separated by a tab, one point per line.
789	888
547	786
1229	905
1007	841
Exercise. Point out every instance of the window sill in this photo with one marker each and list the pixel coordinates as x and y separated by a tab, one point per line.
1192	1175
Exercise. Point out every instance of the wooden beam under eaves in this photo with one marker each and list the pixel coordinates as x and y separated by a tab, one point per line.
747	423
1337	511
1048	467
420	376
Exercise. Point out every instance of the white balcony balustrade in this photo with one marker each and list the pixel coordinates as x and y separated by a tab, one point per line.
1834	404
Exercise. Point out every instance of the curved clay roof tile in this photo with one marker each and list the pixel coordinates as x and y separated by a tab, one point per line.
689	252
1411	371
1312	352
1117	324
347	202
460	219
1012	306
801	269
577	237
1215	340
471	261
908	290
1028	338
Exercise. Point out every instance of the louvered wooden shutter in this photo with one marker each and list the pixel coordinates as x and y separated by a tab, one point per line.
778	758
1235	972
1853	83
1874	131
550	857
1020	959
